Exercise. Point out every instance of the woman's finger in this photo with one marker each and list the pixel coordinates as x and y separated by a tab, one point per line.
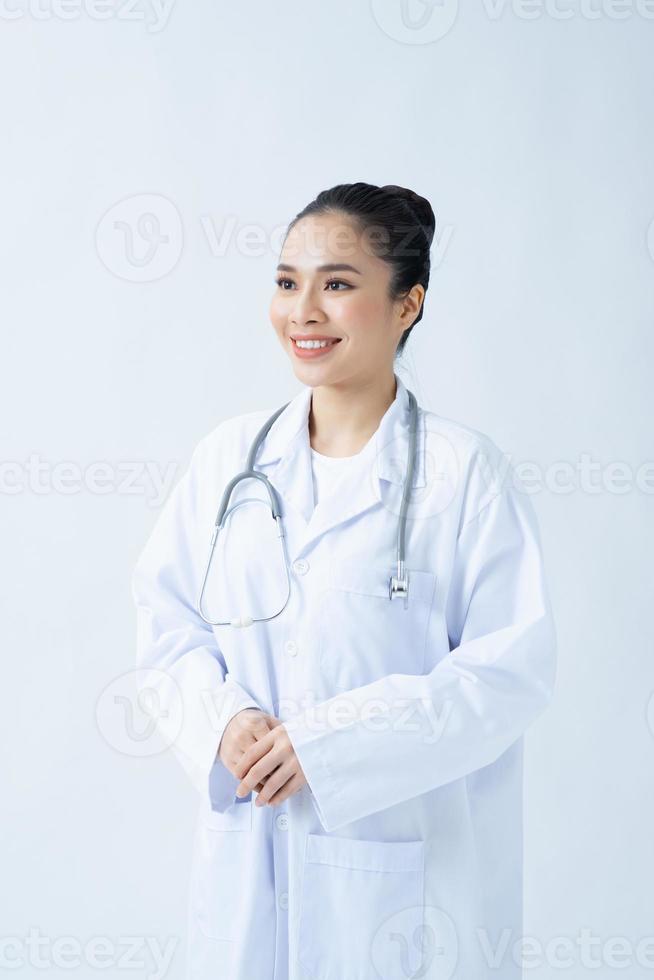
275	781
292	786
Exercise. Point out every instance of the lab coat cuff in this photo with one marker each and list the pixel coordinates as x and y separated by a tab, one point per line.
316	752
222	783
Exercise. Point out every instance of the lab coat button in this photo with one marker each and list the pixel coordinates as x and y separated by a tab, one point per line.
282	821
283	900
291	647
301	566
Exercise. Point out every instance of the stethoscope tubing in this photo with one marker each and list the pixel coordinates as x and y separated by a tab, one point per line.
398	584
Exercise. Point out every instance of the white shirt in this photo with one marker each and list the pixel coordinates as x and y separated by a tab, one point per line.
408	723
327	472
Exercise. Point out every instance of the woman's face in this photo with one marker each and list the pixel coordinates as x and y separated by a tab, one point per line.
331	286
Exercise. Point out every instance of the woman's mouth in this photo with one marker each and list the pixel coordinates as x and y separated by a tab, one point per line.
311	347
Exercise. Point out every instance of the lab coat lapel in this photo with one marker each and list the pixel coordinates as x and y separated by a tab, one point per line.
377	475
292	476
284	455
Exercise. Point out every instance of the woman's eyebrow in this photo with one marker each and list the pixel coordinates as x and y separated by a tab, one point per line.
330	267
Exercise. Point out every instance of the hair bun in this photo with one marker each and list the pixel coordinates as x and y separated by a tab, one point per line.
420	206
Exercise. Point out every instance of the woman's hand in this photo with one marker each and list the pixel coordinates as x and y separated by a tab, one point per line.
244	729
270	761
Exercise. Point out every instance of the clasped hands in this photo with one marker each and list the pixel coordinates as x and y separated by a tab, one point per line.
255	748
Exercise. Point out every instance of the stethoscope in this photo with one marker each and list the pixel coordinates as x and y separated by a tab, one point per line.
398	585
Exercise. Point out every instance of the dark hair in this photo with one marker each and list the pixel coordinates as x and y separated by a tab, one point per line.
407	224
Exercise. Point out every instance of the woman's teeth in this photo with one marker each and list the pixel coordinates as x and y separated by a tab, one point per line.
310	344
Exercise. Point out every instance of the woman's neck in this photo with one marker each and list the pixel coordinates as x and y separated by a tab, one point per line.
343	419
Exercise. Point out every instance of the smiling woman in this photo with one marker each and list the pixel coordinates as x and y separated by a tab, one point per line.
372	289
351	281
324	711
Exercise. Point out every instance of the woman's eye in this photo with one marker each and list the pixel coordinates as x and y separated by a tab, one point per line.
330	282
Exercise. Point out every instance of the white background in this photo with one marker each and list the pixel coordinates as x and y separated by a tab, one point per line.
532	134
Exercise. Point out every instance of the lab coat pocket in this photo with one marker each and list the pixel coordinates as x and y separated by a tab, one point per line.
357	895
222	846
364	635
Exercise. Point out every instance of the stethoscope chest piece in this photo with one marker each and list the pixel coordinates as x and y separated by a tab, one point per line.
398	585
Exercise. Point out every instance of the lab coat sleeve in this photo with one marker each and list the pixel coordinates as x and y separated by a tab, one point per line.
403	735
177	655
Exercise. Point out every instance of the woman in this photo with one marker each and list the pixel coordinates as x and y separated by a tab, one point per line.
358	757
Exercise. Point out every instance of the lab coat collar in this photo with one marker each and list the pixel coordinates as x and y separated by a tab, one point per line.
285	457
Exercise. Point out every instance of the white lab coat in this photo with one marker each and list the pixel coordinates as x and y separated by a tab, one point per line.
403	853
